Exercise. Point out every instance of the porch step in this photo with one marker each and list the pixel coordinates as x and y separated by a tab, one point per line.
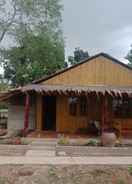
44	143
43	148
40	153
42	134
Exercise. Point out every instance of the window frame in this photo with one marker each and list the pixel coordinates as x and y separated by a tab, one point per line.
72	104
83	106
122	108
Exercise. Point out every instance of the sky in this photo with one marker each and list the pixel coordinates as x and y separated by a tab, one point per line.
98	26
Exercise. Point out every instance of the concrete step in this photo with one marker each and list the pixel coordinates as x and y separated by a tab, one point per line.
41	147
44	143
40	153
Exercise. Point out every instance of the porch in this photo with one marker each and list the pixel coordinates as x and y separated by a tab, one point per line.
75	110
81	110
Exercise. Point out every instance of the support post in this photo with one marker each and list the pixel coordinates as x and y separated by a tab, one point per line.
104	112
39	112
26	115
102	115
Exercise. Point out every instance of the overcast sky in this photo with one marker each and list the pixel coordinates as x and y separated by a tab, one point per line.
98	26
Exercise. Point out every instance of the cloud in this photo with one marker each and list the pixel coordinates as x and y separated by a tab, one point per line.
98	26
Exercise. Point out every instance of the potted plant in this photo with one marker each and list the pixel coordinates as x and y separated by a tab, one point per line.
108	137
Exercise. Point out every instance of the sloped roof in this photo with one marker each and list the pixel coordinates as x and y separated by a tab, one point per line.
80	63
77	90
72	90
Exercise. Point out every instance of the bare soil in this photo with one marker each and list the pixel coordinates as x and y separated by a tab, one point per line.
22	174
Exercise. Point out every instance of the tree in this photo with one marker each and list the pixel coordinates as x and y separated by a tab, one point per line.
3	84
79	55
35	15
129	57
40	55
40	48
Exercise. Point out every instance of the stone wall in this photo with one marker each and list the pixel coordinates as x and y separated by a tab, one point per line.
16	117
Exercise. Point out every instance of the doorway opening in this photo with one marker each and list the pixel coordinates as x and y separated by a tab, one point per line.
49	120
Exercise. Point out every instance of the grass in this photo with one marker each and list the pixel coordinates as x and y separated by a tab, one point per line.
130	170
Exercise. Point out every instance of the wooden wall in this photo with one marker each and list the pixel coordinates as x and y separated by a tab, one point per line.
126	126
68	123
98	71
71	124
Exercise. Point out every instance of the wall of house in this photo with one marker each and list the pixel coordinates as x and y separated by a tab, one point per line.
71	124
16	117
98	71
125	126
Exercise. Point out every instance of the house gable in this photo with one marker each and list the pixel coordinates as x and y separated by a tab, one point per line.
101	69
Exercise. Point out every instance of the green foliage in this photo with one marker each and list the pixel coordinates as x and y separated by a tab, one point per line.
41	55
92	142
63	140
130	170
120	182
28	15
39	49
3	84
3	105
79	55
25	141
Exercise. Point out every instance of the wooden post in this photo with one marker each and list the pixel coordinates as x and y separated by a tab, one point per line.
102	115
26	115
39	112
104	111
88	118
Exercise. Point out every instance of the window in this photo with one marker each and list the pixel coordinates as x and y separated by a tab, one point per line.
122	108
73	106
83	106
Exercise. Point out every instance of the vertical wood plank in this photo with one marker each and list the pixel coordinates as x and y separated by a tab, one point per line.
99	71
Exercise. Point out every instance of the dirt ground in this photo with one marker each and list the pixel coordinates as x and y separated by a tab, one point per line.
22	174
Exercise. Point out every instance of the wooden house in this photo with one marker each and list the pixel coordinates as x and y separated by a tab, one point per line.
95	94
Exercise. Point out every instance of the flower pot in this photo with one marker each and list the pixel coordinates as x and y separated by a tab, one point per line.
108	139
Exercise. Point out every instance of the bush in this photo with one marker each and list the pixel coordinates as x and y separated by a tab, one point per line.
25	141
130	170
64	141
15	141
92	142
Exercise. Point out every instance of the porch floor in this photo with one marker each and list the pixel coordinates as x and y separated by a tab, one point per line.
53	134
